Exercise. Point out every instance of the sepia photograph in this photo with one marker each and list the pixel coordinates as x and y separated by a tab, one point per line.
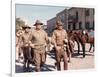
54	38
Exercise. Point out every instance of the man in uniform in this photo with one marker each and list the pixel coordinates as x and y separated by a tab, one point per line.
59	37
19	33
39	39
26	46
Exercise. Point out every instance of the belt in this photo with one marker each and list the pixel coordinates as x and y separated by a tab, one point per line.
60	45
39	45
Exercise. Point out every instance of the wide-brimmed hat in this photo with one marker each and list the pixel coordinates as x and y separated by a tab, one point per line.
59	23
38	23
26	26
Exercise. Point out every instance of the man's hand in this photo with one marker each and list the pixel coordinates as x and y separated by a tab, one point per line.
65	40
32	45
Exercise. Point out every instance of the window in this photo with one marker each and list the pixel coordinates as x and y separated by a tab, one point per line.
87	12
74	26
76	15
87	25
80	25
69	27
93	25
70	16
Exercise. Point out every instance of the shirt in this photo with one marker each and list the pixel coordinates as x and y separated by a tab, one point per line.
59	36
39	37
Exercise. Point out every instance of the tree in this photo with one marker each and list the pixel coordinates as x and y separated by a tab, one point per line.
19	23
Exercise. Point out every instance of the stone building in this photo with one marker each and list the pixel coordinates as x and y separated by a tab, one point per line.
51	25
74	18
80	18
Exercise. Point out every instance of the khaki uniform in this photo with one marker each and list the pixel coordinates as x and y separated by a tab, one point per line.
19	43
26	47
39	39
58	38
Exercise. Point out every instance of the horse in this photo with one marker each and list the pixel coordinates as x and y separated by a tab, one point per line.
82	39
90	40
71	44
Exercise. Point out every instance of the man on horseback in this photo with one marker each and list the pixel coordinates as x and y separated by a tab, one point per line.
58	39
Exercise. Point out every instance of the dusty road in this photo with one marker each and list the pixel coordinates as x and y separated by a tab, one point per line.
77	62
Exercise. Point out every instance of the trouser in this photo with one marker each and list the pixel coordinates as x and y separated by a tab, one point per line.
61	53
39	57
27	55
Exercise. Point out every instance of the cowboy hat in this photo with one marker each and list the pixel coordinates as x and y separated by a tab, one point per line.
38	23
59	23
26	26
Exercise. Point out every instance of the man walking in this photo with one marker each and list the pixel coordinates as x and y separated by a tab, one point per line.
26	46
59	37
39	39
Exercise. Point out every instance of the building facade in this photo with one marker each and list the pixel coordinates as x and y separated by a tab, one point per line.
51	25
74	18
80	18
89	18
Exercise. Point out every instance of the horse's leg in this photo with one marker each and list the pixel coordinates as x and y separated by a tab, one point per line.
78	44
28	63
25	61
68	53
83	47
90	47
69	50
93	47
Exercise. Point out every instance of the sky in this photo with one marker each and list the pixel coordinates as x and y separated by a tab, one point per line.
31	13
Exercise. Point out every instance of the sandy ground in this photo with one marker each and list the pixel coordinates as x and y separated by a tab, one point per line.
77	62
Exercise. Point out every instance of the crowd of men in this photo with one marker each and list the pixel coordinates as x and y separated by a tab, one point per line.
32	45
37	41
